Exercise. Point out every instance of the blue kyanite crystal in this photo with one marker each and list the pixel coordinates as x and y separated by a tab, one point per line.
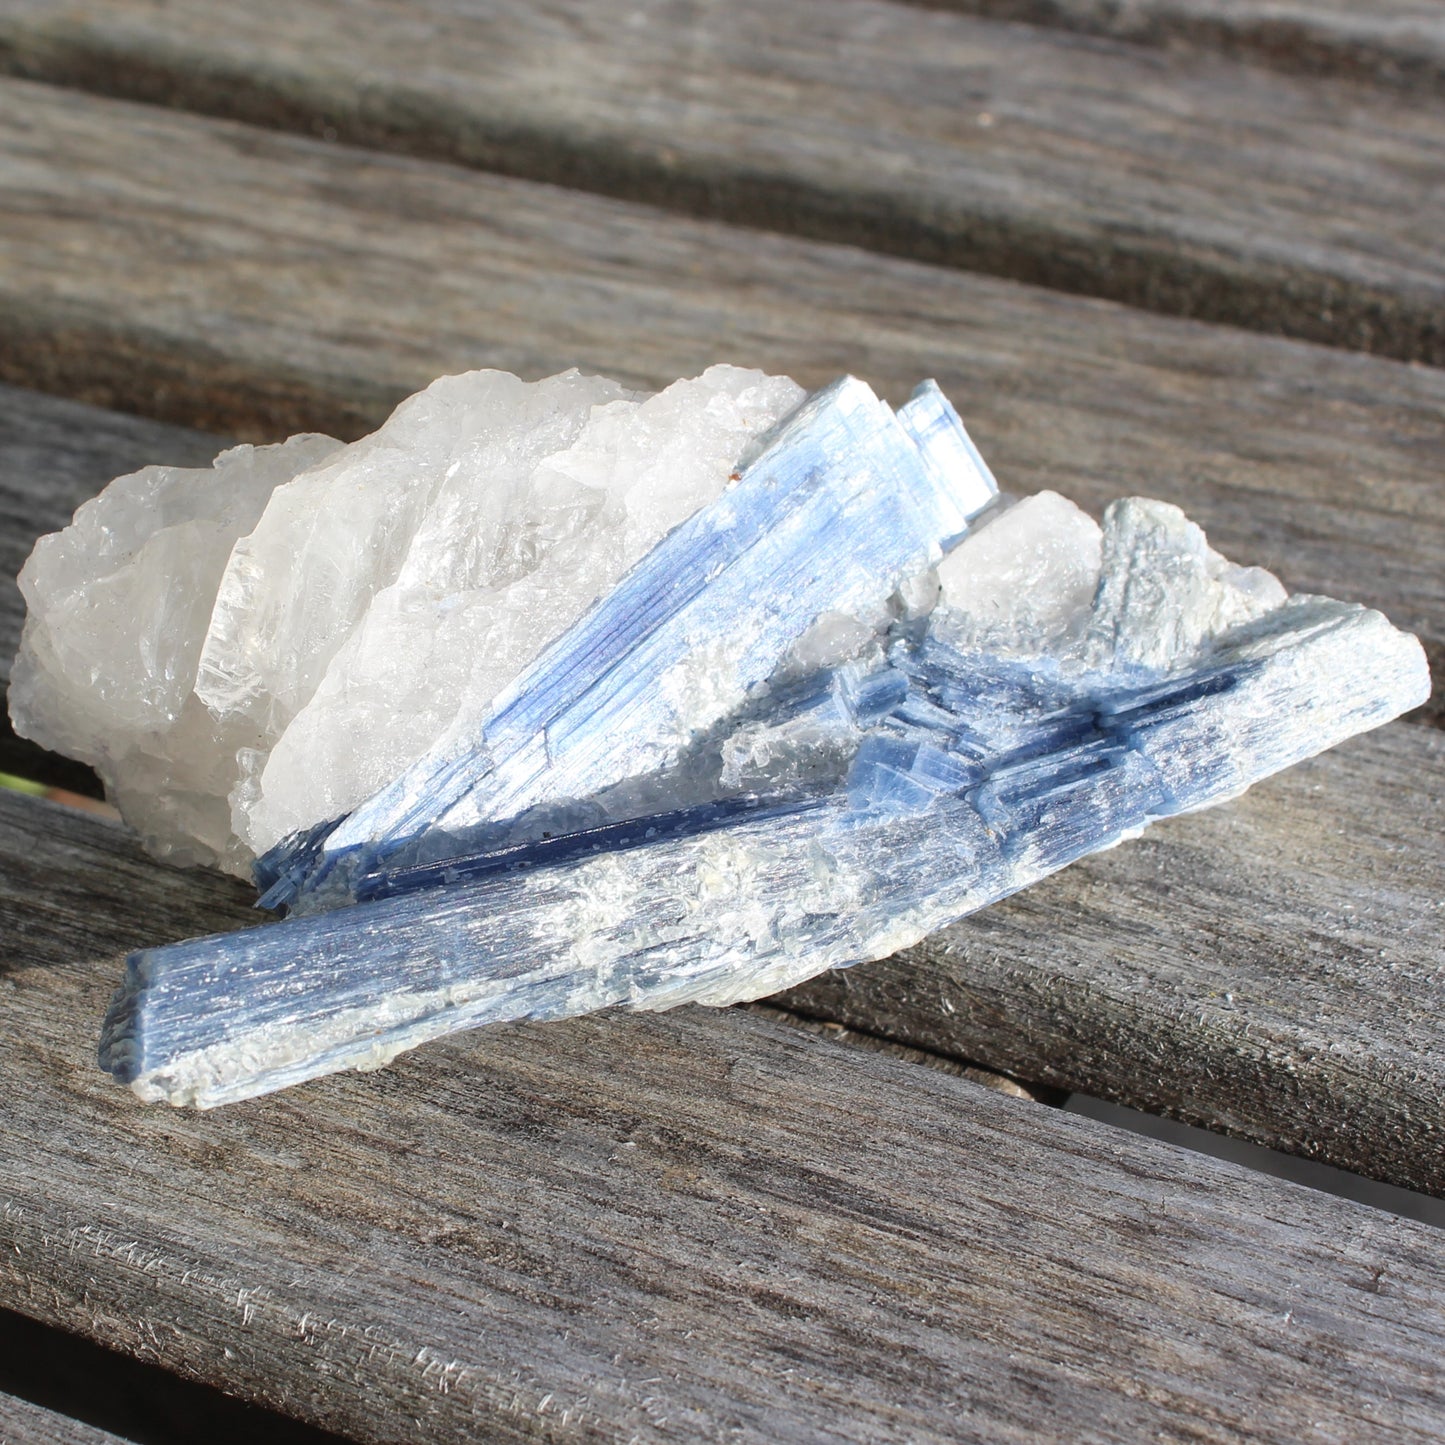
688	798
846	502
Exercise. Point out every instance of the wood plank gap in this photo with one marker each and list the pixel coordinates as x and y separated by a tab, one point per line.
54	1375
1399	44
22	759
926	1058
22	1423
1180	184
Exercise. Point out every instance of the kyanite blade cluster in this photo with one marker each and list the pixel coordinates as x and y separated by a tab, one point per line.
839	696
846	504
851	812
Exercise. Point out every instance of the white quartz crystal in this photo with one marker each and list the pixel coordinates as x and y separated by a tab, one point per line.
246	650
1023	577
1039	576
117	607
1165	592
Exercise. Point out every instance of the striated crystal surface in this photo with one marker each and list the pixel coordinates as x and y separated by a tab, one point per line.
845	503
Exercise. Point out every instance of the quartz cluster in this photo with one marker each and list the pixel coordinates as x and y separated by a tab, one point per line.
244	650
548	698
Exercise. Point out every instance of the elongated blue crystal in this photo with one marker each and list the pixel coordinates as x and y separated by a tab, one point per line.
978	776
846	502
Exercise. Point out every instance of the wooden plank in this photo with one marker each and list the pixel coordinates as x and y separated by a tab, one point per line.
1180	182
259	283
53	456
1271	968
674	1227
1398	43
22	1423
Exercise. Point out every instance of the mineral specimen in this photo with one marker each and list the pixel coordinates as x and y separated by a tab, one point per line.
694	749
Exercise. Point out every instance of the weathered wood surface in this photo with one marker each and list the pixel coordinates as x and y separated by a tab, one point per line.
535	1232
1272	968
1185	183
22	1423
258	284
1399	43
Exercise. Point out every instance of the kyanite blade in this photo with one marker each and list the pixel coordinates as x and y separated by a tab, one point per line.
846	503
985	775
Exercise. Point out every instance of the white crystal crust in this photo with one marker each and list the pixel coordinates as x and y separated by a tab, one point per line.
245	650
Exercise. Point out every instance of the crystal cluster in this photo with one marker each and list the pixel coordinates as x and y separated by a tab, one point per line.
551	698
242	651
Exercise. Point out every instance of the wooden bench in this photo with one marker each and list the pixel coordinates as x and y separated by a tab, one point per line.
1186	248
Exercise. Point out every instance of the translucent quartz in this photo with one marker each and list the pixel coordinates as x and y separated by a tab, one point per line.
1024	580
833	817
250	649
117	609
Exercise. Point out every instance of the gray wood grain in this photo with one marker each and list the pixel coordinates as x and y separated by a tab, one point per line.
1181	182
1398	43
673	1228
257	284
1272	968
22	1423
